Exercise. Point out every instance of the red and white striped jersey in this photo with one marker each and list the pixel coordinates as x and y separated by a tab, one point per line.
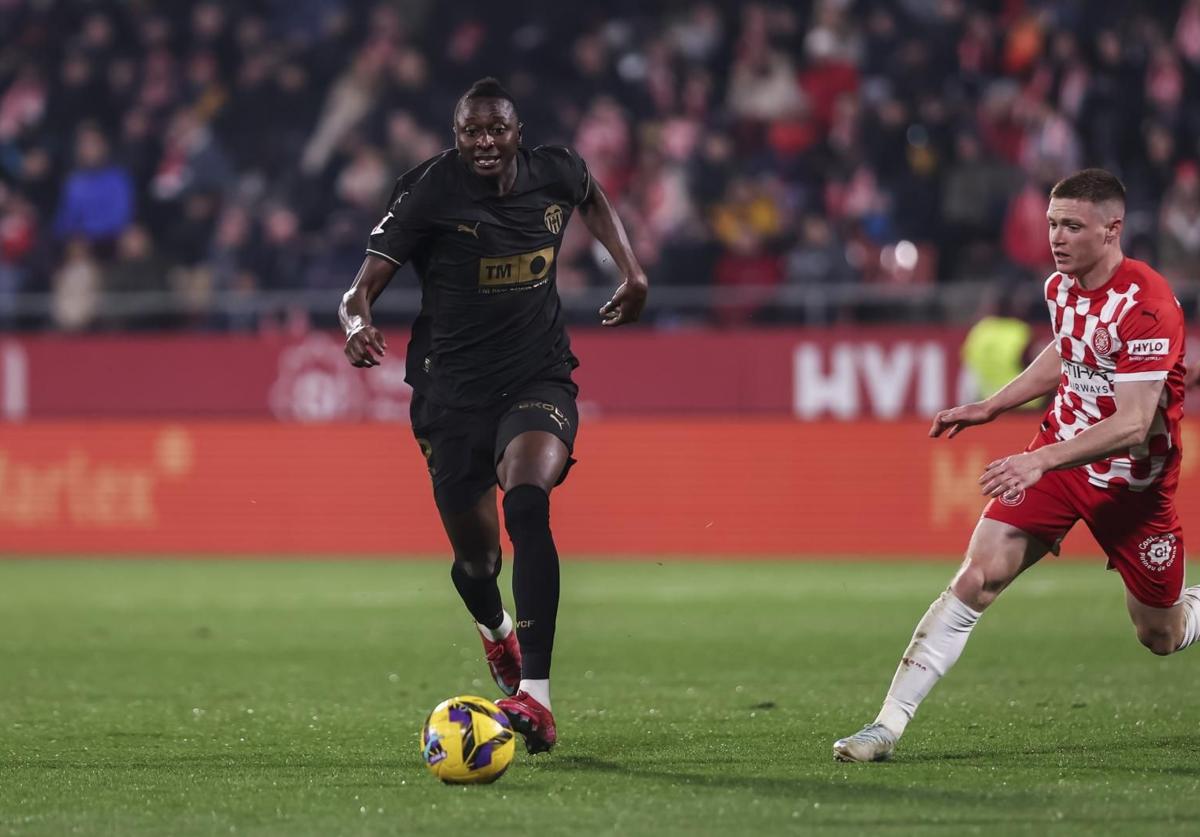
1129	329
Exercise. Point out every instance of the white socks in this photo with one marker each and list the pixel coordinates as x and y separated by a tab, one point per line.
539	690
1190	602
938	640
500	633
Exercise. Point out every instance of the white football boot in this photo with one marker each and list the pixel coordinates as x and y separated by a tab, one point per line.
874	742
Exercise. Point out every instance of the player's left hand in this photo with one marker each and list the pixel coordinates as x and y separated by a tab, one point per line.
627	303
1012	474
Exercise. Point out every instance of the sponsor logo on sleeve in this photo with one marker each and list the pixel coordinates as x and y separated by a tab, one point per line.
1154	347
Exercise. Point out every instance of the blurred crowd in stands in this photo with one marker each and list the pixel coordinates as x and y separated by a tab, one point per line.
215	153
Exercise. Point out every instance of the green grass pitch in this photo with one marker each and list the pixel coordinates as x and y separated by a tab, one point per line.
227	697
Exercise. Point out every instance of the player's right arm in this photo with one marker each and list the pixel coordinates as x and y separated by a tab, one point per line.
365	344
1039	378
390	244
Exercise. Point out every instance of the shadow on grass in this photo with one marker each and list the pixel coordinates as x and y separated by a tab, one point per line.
832	788
1105	756
835	789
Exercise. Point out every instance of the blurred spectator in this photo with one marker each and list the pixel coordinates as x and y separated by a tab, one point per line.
605	140
137	271
231	273
1149	178
749	222
1026	242
23	104
97	200
76	97
1179	246
975	192
278	259
999	345
192	160
18	234
763	85
349	101
819	256
76	288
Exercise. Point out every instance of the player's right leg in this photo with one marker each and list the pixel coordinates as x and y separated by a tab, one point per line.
997	554
475	537
458	451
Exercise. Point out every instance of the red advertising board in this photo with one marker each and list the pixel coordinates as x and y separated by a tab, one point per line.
746	488
844	374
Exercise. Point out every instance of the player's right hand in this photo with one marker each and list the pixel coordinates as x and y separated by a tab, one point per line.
365	347
957	419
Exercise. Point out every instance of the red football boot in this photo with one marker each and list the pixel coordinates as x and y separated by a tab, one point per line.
532	720
504	661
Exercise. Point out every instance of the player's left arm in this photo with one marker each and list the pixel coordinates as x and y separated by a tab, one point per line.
1137	402
602	220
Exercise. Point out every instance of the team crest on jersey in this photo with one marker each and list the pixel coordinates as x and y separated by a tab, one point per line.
1102	341
1013	498
553	218
1157	553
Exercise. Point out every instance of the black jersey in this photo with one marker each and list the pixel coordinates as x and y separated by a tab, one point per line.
490	319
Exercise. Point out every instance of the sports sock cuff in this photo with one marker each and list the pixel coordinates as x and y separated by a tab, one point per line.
894	716
1190	602
525	497
957	614
499	632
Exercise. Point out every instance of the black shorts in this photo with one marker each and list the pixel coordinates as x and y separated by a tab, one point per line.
463	447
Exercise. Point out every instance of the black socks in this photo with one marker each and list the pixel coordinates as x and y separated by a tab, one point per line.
480	595
535	576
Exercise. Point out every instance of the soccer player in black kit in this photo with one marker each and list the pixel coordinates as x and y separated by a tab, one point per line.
490	364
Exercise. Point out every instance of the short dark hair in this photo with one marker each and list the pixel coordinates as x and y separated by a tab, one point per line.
1091	185
486	88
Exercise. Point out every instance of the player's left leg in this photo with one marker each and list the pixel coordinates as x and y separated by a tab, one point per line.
1165	630
528	472
531	466
1143	538
1165	615
458	449
534	441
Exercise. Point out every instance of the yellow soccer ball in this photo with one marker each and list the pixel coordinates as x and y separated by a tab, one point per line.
467	740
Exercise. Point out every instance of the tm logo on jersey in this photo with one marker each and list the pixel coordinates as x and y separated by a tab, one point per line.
521	269
1156	347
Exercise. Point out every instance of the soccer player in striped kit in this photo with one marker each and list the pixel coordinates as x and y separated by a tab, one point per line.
1107	453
